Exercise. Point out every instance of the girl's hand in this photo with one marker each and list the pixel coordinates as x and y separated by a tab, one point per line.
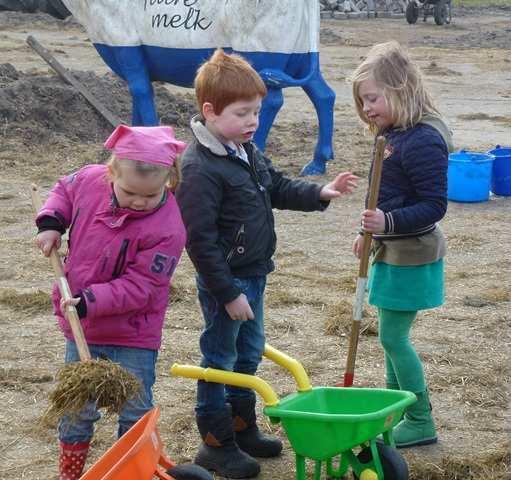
357	245
345	182
47	240
239	309
373	221
65	303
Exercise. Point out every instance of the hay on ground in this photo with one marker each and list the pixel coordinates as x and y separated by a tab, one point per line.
340	317
29	302
491	465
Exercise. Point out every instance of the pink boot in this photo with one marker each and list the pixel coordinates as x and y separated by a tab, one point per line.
72	460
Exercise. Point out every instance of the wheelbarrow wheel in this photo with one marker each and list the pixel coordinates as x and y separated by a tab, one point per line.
393	464
412	12
189	472
440	12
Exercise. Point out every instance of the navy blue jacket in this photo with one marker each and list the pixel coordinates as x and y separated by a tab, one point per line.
413	189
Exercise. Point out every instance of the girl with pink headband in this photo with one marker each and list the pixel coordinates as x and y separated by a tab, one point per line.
125	238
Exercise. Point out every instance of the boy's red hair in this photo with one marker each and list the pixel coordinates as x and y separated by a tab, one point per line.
225	79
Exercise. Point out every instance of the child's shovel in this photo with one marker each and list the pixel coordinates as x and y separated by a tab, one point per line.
100	381
71	313
358	305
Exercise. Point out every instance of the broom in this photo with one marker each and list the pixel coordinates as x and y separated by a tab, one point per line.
90	380
358	304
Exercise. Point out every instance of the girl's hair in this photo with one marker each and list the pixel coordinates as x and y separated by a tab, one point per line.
172	178
225	79
389	65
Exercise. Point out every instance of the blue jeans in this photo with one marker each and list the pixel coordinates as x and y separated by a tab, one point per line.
140	362
231	345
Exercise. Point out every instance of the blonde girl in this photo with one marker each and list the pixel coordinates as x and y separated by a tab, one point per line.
407	273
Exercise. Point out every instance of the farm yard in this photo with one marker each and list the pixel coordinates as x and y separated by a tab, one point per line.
47	129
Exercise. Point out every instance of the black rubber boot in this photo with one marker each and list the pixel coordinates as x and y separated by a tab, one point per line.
219	451
246	432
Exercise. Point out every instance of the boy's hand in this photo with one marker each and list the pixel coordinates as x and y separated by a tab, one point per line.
239	309
344	183
357	245
373	221
47	240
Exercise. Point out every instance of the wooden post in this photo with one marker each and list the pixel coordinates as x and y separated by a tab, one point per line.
69	78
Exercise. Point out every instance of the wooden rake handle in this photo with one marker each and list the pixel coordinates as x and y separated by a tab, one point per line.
358	306
71	313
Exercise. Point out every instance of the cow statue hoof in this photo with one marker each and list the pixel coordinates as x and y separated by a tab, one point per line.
314	167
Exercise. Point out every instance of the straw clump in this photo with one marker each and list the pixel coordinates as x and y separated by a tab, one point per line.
100	381
340	317
29	302
491	465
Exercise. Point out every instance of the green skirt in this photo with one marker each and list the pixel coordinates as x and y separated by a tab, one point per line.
397	287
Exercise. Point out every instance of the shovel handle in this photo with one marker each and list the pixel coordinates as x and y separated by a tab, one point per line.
70	313
372	202
358	306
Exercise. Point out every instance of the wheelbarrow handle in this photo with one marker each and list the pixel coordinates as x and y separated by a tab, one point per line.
228	378
294	366
71	313
249	381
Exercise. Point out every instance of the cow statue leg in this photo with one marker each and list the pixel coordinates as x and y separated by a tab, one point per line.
269	109
132	66
323	99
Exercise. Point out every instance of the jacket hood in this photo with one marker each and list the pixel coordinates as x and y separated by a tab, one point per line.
439	125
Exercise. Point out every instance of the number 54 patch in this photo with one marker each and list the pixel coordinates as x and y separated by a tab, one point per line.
163	264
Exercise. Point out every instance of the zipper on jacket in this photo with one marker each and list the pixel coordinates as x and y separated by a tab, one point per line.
266	201
119	263
250	165
256	177
251	169
73	222
105	261
239	243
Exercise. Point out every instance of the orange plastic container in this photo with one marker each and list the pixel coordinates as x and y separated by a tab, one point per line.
137	455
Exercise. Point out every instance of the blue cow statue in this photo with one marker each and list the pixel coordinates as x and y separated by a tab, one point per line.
167	40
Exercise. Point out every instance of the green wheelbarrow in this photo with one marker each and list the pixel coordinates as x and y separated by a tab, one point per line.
335	427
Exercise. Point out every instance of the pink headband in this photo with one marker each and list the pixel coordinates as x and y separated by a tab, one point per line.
155	145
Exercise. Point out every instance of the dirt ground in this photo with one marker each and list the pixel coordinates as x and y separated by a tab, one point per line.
47	130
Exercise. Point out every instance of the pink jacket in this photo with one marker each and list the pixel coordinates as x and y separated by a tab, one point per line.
120	259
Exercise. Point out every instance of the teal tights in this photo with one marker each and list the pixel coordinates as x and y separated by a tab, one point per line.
402	364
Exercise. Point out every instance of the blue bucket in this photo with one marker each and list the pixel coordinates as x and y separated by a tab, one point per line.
501	178
469	176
